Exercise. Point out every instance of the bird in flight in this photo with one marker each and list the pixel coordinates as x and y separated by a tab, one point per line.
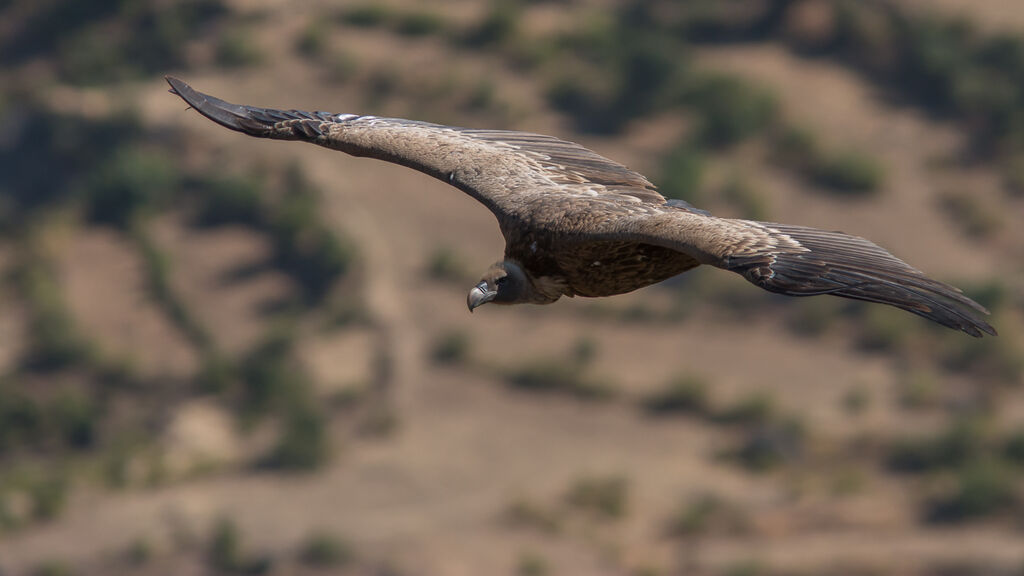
578	224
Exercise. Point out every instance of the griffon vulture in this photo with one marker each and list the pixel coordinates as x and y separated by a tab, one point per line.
578	224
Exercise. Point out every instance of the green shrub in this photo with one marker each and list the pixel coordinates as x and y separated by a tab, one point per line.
849	173
76	419
947	450
446	264
917	390
557	376
158	277
341	67
225	549
1013	449
856	400
55	340
584	350
766	446
500	24
21	419
366	15
984	487
1013	176
812	317
885	329
306	247
970	214
532	565
419	24
323	549
139	552
705	513
312	42
729	109
452	347
230	200
43	139
526	514
684	394
795	148
1000	361
53	568
750	204
303	444
752	410
482	96
272	380
236	49
606	497
48	495
681	173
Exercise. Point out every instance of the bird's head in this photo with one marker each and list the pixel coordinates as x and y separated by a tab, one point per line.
503	283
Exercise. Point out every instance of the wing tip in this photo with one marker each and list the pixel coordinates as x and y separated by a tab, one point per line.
233	116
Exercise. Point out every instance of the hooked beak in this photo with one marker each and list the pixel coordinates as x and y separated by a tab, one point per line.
480	295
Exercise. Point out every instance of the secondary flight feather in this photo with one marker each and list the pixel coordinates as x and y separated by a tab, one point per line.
578	224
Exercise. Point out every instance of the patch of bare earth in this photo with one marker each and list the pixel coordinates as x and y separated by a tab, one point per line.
222	275
998	16
106	289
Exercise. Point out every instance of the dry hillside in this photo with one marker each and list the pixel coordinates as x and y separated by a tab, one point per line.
227	355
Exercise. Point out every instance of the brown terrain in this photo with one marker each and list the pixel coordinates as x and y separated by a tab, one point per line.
447	467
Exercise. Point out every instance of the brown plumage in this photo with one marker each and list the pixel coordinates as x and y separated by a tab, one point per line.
576	223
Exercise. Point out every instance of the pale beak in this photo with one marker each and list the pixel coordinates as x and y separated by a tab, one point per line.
480	295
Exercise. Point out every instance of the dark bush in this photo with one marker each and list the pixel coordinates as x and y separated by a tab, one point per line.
706	513
752	410
76	419
21	419
236	49
312	42
681	173
230	200
729	110
949	449
558	376
766	446
606	497
452	347
984	488
684	394
303	444
366	15
55	342
851	173
324	549
38	140
499	25
419	24
132	179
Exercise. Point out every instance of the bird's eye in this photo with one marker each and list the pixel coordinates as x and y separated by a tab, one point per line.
501	281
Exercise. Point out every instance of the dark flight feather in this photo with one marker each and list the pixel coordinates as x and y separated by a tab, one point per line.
581	224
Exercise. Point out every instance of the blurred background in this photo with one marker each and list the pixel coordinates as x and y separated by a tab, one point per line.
220	354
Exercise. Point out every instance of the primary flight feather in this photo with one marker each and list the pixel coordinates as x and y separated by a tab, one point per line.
578	224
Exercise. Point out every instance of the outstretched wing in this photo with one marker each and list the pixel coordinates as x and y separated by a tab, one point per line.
800	261
504	170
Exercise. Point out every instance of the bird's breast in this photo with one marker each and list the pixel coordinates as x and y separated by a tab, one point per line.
600	268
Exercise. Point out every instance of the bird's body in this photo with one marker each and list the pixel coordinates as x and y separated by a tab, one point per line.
578	224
